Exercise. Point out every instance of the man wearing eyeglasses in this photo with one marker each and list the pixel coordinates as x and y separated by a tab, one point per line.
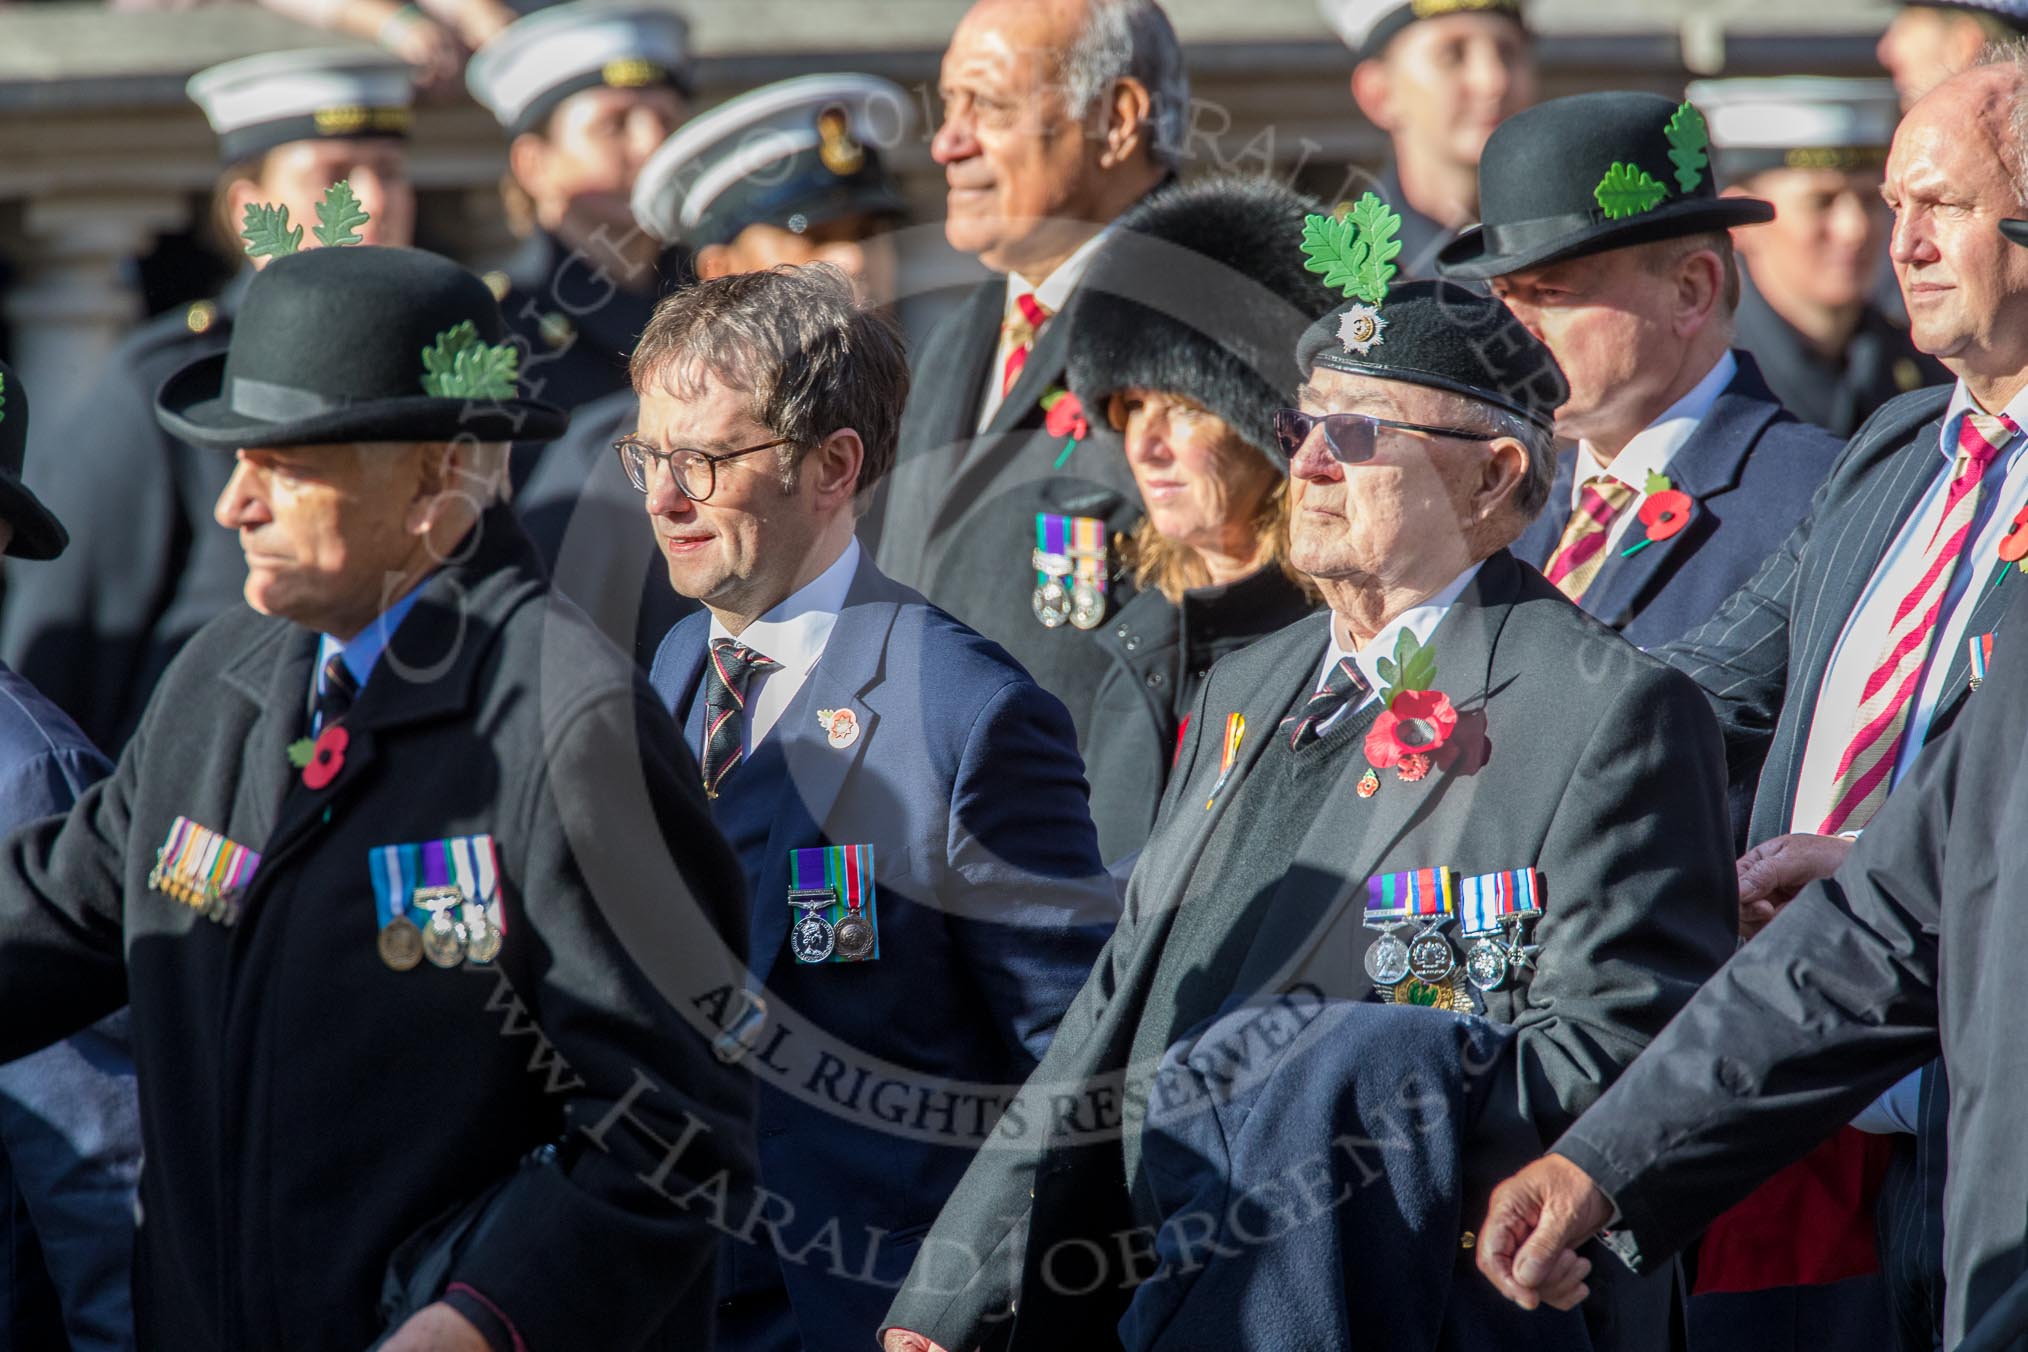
909	806
1454	729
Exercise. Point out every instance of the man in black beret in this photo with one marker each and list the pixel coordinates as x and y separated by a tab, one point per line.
401	873
1605	234
95	628
1452	790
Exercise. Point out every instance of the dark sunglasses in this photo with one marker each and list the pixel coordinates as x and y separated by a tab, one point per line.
1350	437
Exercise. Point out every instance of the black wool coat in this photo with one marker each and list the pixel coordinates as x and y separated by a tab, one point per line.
305	1107
1160	654
957	519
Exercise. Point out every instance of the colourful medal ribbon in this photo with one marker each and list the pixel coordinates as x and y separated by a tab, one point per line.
1052	543
486	863
1981	652
1235	732
1088	552
1491	899
1419	894
389	891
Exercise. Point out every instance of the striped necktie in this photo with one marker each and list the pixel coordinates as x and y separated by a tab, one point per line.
1021	332
1582	550
730	668
1344	681
335	693
1866	769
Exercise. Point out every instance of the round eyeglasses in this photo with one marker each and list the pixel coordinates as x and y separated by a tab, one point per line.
695	472
1352	437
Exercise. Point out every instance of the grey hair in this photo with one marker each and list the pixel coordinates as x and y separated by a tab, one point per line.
2013	54
1124	39
1538	441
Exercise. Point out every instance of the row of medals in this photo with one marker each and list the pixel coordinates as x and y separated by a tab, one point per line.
816	938
444	941
1083	604
1430	958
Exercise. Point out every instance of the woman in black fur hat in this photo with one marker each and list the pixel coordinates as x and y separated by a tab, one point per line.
1186	344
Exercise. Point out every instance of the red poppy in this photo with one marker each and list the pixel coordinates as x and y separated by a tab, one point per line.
1415	724
1412	767
2014	545
327	758
1065	418
1666	512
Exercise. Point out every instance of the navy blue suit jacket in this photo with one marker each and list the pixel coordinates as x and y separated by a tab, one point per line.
879	1079
1750	467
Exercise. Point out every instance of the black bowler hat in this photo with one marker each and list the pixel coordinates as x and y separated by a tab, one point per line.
1201	290
360	343
37	532
1588	173
2016	231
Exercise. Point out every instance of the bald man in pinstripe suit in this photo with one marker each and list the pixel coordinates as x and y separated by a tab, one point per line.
1851	649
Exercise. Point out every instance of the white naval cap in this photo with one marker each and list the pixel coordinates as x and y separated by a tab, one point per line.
794	154
536	63
2014	13
1797	122
1367	26
259	102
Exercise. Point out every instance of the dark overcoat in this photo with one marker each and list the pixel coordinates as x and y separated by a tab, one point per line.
304	1107
1587	760
1910	948
957	521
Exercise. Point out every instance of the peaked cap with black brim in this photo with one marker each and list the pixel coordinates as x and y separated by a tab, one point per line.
1547	184
1201	291
329	349
1444	336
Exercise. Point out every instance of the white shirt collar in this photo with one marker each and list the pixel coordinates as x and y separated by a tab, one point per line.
794	632
1656	444
1420	619
1961	403
1054	290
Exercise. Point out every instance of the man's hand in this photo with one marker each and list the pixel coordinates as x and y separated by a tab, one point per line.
437	1328
1772	872
901	1340
1537	1218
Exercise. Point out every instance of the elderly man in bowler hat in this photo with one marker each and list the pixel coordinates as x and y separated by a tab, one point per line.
1342	822
381	872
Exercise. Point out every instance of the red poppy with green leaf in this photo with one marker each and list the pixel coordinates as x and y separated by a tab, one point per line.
1063	416
1665	511
1415	718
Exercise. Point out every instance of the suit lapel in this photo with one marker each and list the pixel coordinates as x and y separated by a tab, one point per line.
275	676
1709	463
955	418
1352	839
814	772
1911	470
1267	701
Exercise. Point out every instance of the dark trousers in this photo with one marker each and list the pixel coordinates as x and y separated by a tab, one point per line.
1910	1219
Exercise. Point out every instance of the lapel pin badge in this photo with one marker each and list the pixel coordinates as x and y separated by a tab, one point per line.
840	726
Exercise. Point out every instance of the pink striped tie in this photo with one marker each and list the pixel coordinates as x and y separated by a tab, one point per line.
1866	769
1581	552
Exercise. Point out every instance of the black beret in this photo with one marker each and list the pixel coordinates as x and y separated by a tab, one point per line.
1445	336
1201	291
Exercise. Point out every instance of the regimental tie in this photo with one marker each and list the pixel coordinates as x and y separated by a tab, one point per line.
1866	769
727	674
1582	550
1344	682
335	692
1018	336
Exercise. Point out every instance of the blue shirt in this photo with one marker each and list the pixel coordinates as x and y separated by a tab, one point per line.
362	651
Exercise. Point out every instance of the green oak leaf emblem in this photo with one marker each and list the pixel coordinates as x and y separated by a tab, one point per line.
1689	142
1628	191
458	366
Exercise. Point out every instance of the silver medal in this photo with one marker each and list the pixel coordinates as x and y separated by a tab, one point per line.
813	939
1087	606
1387	960
1486	964
1431	958
1052	604
854	937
